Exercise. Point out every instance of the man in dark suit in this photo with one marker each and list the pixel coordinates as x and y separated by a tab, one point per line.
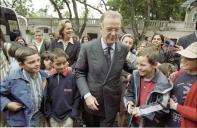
98	71
188	39
66	42
40	43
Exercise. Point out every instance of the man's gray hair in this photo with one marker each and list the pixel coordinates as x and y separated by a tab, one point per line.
111	13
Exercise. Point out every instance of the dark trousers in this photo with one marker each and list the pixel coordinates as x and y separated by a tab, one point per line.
92	120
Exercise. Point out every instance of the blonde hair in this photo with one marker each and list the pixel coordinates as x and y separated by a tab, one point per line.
62	25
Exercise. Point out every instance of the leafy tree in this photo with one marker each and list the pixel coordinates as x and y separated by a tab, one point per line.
72	9
134	11
22	7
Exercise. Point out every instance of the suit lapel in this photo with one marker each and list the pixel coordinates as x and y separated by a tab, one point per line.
99	53
117	52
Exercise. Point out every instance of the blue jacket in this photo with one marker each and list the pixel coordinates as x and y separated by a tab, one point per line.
62	98
16	89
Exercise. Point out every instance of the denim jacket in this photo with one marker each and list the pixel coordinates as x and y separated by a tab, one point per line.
16	89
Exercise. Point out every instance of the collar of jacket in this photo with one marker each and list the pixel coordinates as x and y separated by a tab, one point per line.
162	84
64	73
19	75
70	41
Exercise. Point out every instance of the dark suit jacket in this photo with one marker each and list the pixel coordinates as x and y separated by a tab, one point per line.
187	40
94	76
72	50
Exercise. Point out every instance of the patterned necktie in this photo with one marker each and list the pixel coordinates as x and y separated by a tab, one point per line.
107	54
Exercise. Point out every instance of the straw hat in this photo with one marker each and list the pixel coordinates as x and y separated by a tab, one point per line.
190	51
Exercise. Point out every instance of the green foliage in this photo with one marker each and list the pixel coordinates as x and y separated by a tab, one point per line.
159	9
22	7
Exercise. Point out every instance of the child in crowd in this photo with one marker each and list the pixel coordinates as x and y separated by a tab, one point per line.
148	91
128	40
20	40
183	100
143	44
46	63
85	39
14	65
22	94
62	99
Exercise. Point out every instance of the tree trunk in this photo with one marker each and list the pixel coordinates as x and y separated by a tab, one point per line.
76	17
85	19
69	10
56	8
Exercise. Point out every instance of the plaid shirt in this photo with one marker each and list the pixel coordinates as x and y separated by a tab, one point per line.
4	64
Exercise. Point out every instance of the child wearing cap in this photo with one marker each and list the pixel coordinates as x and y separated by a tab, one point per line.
183	102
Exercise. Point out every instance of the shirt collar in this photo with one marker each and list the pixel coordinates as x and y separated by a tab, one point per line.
28	75
64	73
70	41
104	45
38	43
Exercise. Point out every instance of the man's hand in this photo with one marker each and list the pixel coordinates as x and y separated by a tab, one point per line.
136	111
91	102
14	106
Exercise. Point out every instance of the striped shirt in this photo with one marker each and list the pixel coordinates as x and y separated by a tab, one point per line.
35	84
4	65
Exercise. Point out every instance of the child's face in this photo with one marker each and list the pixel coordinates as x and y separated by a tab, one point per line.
47	63
31	64
60	64
157	40
145	69
189	64
128	41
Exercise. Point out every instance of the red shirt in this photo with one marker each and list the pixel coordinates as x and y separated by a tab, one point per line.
145	88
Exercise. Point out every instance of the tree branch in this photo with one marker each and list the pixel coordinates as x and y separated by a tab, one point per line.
6	3
56	8
13	4
76	15
104	4
85	19
91	7
68	6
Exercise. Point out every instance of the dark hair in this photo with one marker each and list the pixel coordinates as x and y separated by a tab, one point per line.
196	25
82	39
20	37
45	56
58	52
151	53
161	36
23	52
13	48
